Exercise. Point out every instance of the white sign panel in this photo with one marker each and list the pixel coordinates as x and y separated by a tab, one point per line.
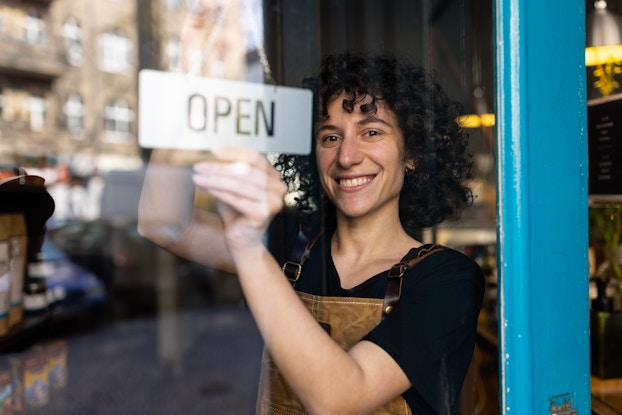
179	111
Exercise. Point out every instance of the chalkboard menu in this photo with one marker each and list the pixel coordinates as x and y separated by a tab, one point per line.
605	146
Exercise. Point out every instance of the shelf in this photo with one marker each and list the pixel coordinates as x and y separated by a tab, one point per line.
25	333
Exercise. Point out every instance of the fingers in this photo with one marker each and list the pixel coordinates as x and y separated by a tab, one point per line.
243	179
237	164
238	154
252	182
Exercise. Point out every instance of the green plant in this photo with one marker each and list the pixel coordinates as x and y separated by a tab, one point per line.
605	220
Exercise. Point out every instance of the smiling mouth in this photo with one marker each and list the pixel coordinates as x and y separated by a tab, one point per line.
358	181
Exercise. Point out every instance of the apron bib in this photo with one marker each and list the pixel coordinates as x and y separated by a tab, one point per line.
347	320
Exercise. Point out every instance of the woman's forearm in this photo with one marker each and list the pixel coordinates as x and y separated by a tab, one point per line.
168	216
321	373
326	378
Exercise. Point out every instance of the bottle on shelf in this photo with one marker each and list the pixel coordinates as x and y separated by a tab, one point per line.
35	286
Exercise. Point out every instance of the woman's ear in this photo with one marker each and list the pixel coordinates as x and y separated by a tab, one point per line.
410	165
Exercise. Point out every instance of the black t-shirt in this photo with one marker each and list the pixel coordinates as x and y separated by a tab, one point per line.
432	329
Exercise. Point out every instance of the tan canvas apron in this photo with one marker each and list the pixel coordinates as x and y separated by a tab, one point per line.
348	320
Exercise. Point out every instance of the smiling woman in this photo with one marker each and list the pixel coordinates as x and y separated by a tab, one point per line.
397	318
361	159
433	141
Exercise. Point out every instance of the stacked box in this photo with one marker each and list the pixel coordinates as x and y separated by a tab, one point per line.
57	364
30	381
18	250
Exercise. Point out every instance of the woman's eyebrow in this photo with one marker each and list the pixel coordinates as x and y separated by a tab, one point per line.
362	122
327	127
373	119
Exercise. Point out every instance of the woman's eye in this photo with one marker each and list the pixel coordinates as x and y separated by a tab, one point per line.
372	133
330	140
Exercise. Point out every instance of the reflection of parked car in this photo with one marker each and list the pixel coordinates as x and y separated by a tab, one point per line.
73	291
129	266
118	255
99	246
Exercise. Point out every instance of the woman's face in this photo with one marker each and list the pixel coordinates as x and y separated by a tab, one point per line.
360	158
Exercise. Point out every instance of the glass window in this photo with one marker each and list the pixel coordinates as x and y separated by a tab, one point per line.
173	53
117	120
16	105
142	330
34	28
74	113
37	108
22	108
115	50
72	38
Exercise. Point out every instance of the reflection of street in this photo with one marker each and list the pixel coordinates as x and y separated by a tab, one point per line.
116	369
129	266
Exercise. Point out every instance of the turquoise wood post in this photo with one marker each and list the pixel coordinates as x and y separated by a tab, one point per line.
542	205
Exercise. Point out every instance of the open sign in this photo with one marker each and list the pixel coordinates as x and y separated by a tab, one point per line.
179	111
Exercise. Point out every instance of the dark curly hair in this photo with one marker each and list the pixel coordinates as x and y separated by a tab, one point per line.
436	189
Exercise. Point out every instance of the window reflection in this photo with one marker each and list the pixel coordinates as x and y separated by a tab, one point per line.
34	28
37	109
74	112
68	112
116	50
72	36
117	119
173	53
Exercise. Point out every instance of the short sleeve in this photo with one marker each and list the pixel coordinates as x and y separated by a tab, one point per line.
431	332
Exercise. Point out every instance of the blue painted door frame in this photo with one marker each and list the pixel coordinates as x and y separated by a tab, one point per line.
542	205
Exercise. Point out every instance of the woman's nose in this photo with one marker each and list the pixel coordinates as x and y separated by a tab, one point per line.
350	153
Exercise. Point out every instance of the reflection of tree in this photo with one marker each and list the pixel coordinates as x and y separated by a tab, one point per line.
213	41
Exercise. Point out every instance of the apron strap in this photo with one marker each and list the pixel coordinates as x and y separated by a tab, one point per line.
394	287
300	253
302	250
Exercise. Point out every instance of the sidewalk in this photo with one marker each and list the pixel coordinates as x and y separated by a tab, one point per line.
203	361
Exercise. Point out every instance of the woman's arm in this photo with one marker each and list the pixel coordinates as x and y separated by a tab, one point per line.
169	215
327	379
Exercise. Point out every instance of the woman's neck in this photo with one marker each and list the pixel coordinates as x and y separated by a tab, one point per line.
362	250
370	238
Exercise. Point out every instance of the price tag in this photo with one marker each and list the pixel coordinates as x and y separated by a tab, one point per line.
179	111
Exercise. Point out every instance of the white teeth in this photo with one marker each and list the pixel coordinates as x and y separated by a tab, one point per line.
354	182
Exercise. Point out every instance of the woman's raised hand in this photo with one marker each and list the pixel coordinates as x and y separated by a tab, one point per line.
249	193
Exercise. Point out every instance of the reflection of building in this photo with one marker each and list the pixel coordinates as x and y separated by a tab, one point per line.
29	66
96	94
69	75
69	71
68	78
